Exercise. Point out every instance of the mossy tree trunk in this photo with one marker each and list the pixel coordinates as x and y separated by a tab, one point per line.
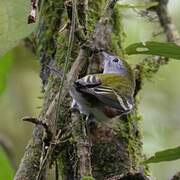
68	35
112	149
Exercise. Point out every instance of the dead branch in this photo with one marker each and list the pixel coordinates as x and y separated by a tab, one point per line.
39	122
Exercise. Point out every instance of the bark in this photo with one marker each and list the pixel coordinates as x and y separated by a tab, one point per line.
30	162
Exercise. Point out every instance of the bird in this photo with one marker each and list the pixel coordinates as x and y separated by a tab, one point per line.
105	95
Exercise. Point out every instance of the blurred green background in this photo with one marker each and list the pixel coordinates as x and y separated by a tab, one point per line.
160	98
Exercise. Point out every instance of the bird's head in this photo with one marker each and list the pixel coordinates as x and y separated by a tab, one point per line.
114	65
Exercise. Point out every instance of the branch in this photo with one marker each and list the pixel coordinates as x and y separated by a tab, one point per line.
29	166
39	122
83	145
165	20
82	14
153	64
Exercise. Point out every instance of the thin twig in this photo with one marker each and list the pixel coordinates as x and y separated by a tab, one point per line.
44	161
66	64
33	12
63	27
39	122
50	150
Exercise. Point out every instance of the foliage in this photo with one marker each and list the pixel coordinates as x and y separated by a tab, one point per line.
169	50
5	65
165	155
6	171
13	23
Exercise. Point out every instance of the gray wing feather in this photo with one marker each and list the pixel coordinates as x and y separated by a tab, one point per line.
91	85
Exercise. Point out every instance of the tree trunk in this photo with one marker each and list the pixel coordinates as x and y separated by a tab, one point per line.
68	35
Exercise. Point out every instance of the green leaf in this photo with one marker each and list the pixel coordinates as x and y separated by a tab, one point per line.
6	171
13	23
146	5
166	155
5	65
169	50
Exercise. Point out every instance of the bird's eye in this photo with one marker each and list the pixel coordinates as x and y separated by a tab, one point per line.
115	60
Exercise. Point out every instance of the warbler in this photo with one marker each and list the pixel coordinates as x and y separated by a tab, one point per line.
107	95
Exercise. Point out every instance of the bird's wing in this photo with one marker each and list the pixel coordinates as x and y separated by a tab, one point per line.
88	81
91	85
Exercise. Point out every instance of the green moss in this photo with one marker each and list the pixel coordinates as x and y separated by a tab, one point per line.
49	23
62	46
121	129
150	66
134	141
94	13
87	178
118	32
46	35
61	166
129	130
108	157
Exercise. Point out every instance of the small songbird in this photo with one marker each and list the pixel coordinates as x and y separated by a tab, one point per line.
107	95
